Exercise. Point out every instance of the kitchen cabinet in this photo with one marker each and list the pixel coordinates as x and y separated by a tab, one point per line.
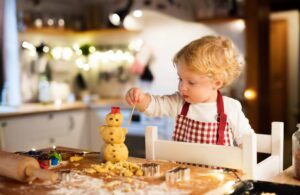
95	120
65	128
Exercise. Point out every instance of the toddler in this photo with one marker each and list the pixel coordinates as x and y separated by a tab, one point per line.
202	114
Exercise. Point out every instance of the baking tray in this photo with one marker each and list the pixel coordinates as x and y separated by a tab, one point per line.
254	187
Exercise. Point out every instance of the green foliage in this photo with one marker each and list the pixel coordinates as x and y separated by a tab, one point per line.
85	49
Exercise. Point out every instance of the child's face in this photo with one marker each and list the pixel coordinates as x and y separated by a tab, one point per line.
195	87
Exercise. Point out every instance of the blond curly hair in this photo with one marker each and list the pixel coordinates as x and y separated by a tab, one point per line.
214	56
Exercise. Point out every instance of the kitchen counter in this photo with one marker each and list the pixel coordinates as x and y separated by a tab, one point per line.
286	177
36	108
71	124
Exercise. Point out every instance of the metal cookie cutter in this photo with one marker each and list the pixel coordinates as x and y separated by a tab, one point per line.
151	169
65	175
181	173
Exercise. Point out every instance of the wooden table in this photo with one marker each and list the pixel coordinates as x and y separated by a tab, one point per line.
78	182
286	177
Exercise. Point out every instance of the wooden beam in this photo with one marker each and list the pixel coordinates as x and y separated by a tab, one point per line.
257	60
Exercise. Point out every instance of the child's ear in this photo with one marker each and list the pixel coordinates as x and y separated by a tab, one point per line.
218	84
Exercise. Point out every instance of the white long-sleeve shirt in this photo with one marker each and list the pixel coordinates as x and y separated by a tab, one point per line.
171	105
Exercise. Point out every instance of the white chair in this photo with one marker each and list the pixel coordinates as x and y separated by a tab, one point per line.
244	158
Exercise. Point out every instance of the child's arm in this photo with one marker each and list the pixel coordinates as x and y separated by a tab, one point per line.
242	125
137	97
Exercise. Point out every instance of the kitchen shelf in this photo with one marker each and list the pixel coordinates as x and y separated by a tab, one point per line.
219	19
58	31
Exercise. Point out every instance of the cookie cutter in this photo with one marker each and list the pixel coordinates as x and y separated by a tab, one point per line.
65	175
151	169
181	173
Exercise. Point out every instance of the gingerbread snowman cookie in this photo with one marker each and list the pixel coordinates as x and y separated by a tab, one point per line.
114	149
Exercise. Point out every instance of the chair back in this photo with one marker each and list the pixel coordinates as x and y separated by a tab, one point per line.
243	158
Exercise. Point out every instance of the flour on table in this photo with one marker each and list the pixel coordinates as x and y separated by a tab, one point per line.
77	183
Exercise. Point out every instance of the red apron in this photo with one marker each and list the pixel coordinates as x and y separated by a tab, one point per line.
188	130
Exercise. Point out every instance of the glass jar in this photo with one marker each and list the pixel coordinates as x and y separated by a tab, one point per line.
296	153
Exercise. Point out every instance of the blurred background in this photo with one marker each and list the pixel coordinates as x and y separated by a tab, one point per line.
69	50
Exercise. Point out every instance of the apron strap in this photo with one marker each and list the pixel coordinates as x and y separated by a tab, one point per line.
185	108
222	119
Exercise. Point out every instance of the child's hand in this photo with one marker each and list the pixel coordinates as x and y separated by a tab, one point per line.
134	96
137	97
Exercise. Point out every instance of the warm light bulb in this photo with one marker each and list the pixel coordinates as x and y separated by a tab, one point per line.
61	22
38	23
29	46
92	49
137	13
67	53
46	49
239	25
50	22
115	19
76	46
250	94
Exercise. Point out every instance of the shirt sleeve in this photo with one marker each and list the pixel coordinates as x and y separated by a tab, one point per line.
242	125
166	105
